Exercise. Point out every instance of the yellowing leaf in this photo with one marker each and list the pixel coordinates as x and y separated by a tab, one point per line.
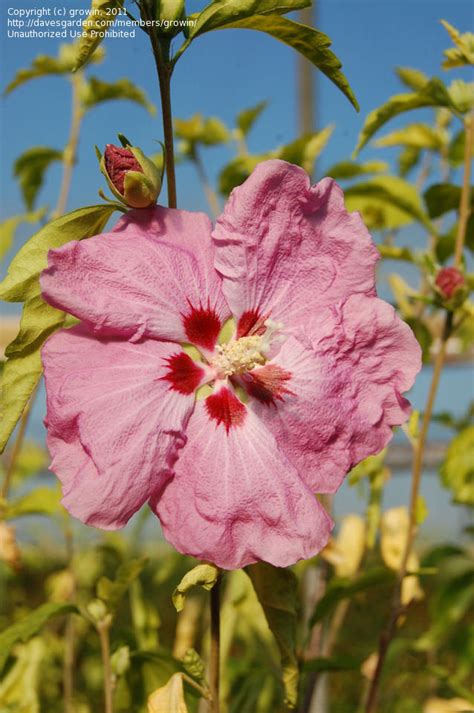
412	78
169	698
447	705
345	552
100	19
416	135
457	470
95	91
394	533
9	226
204	575
463	52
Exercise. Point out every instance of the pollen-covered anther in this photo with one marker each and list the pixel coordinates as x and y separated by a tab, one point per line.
239	356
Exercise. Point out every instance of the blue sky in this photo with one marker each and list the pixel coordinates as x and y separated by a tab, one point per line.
222	73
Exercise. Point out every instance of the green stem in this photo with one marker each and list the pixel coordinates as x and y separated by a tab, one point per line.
103	631
210	194
464	208
70	152
164	68
214	659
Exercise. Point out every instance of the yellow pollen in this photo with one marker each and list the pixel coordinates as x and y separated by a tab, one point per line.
239	356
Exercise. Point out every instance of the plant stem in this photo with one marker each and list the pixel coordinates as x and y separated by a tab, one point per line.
214	659
211	196
69	156
464	207
164	68
103	630
69	632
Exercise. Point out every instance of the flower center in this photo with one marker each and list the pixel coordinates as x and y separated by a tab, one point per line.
241	355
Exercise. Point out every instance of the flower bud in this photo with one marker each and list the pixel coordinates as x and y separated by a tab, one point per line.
132	177
449	280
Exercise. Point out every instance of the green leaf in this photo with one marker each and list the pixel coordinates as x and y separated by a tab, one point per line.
408	158
412	78
395	252
457	470
95	91
433	93
277	592
29	626
237	171
21	281
41	66
9	227
351	169
339	589
463	51
423	336
247	118
197	130
421	136
19	689
112	591
393	192
204	575
30	168
462	95
222	13
442	198
304	151
40	501
99	20
457	148
23	368
311	43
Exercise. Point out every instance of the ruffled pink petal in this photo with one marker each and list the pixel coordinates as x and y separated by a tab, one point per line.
286	249
235	499
153	276
345	392
116	414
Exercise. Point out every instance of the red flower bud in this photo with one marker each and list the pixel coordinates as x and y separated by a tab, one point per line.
118	162
449	280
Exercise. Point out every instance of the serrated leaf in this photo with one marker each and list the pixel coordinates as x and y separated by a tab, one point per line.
112	591
277	592
433	93
29	169
247	118
463	52
203	575
395	193
21	281
29	626
412	78
351	169
99	20
311	43
421	136
442	198
95	91
9	227
23	368
457	470
305	150
343	589
222	13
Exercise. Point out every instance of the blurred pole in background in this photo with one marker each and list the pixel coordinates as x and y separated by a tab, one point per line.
306	79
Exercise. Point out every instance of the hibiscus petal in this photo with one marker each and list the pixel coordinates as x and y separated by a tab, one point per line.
235	499
345	389
114	420
286	249
152	276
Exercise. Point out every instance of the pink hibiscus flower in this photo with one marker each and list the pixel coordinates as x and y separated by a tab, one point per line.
294	375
